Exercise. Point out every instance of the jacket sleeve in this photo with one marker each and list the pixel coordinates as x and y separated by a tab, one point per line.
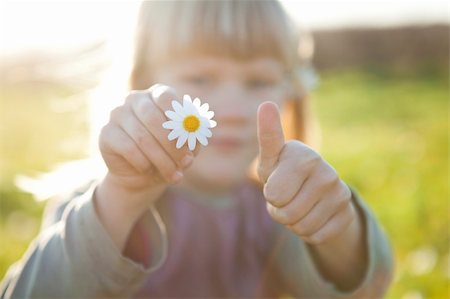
73	256
301	278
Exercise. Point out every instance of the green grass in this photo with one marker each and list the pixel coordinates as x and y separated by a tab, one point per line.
386	133
41	124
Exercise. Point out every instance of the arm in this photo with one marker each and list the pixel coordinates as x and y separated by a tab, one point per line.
305	194
75	256
302	270
82	253
343	259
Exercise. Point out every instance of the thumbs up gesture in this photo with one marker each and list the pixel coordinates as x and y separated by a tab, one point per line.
303	192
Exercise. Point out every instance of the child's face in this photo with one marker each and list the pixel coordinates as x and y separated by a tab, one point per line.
234	89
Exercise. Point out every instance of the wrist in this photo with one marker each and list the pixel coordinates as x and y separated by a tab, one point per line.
119	208
130	200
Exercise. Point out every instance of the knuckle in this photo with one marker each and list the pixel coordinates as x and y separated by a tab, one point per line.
329	178
129	149
284	215
318	238
274	212
343	197
278	214
299	168
145	166
165	167
138	102
168	174
351	212
165	174
104	131
115	114
163	93
147	114
105	136
132	97
342	203
152	119
269	193
292	147
303	227
347	193
311	157
141	137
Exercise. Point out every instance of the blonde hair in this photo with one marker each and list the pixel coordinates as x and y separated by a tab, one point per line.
239	29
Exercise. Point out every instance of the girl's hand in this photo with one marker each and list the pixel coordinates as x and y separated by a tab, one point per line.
303	192
134	144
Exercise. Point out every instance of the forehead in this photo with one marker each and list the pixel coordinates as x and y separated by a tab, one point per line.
226	63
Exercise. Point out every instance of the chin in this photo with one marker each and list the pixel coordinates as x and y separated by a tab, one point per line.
222	171
217	178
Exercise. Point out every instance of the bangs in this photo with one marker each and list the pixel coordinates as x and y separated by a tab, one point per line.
240	29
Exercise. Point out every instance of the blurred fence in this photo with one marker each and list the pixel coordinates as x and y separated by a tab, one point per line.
404	48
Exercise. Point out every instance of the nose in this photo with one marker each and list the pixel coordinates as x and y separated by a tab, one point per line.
231	105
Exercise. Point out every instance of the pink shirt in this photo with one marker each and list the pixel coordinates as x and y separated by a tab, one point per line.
234	251
215	251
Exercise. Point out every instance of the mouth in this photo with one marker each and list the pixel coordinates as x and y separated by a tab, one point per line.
226	143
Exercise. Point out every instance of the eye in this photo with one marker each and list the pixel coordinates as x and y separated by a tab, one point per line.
199	80
257	83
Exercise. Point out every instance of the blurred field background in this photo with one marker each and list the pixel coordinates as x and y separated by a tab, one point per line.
382	103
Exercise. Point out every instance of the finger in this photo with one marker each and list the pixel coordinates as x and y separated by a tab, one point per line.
336	225
298	207
320	214
164	96
150	147
296	163
270	138
119	149
151	117
284	182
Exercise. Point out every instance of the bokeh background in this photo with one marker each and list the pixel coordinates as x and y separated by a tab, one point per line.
381	98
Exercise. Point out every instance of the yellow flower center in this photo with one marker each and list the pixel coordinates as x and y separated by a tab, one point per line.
191	123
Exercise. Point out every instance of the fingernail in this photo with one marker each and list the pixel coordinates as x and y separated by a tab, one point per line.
187	160
177	176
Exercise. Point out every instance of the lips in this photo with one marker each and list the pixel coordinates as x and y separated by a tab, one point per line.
226	143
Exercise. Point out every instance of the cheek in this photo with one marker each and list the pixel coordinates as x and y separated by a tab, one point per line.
278	96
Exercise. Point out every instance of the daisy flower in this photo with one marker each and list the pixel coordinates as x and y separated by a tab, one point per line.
189	122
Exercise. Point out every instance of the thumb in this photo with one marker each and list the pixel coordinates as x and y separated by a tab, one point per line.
270	138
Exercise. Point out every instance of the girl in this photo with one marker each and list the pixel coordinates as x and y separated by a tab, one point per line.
168	222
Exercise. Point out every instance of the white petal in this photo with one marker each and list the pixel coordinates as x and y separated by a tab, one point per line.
190	108
208	114
205	132
178	108
175	133
207	123
173	116
171	124
204	122
202	139
197	103
191	141
187	98
212	123
182	139
204	108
